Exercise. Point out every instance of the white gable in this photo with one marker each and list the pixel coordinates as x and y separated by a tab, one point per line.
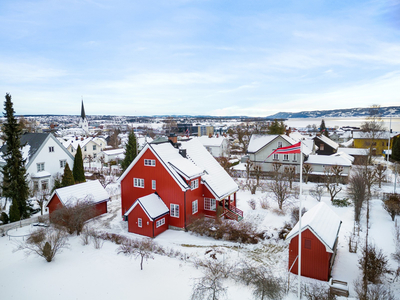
323	222
328	141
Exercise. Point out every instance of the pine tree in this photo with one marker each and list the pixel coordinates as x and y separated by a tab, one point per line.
68	177
276	127
15	185
14	212
78	171
396	148
323	129
130	151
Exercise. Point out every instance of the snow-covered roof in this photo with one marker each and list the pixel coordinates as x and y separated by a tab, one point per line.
114	151
345	155
379	135
348	143
211	142
41	174
328	141
323	222
90	190
339	160
354	151
186	168
215	178
152	205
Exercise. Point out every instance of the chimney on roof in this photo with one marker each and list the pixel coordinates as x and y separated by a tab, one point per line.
173	138
182	152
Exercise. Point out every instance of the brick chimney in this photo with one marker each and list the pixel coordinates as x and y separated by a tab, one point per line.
173	138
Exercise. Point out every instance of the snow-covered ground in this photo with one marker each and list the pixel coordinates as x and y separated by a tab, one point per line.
83	272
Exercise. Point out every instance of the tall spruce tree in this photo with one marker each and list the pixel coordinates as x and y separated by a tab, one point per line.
276	127
77	170
15	185
396	148
68	177
322	128
130	151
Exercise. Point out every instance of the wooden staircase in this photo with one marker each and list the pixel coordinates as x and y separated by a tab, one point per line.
233	213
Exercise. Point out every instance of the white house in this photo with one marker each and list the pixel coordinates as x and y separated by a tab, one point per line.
90	146
320	163
217	146
261	146
45	159
112	155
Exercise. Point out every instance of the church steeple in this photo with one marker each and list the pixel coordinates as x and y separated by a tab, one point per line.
83	115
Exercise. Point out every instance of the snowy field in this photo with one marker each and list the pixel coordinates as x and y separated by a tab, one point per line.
83	272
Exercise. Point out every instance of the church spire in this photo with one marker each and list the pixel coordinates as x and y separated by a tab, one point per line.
83	115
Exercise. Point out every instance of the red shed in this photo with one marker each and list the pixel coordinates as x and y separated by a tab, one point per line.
148	216
91	190
187	179
319	234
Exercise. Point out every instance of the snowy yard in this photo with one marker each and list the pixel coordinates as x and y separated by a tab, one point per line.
83	272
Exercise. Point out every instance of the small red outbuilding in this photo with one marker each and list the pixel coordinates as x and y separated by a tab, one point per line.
148	216
89	191
319	234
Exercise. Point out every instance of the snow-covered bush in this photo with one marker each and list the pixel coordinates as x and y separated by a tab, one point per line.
316	291
138	248
294	214
373	263
252	204
317	192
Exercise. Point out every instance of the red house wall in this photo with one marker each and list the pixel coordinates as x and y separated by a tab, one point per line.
101	208
314	261
54	204
147	224
162	228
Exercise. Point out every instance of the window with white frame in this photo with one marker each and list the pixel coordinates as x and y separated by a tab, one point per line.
295	157
276	156
139	222
150	162
40	167
51	149
285	156
45	185
160	222
174	211
279	144
63	163
94	148
195	207
153	184
138	182
194	184
210	204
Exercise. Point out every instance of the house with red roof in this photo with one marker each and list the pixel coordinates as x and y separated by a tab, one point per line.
170	184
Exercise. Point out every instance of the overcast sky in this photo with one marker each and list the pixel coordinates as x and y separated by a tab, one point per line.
256	58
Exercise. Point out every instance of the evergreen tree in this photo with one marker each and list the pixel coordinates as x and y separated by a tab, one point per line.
68	177
130	151
78	171
15	185
396	148
14	212
276	127
323	129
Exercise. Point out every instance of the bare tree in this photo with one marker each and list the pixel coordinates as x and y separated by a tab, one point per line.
307	170
252	184
45	242
380	171
281	191
225	163
392	205
73	217
317	192
114	139
337	172
370	177
290	174
138	248
357	190
330	182
242	132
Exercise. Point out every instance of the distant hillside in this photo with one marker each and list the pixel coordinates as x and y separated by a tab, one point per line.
393	111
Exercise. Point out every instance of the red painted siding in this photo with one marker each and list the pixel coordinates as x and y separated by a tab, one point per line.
162	228
147	224
54	204
101	208
314	261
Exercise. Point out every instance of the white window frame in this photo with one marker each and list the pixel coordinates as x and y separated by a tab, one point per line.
160	222
153	184
295	157
139	222
210	204
286	157
51	148
195	206
279	144
174	210
40	167
138	182
63	162
276	156
150	162
194	184
94	148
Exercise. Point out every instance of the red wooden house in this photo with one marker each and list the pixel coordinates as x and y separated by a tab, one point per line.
186	178
87	191
319	234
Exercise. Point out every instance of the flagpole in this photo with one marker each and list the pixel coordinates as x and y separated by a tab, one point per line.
300	192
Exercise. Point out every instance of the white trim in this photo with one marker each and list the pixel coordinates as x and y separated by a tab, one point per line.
138	182
174	210
195	206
